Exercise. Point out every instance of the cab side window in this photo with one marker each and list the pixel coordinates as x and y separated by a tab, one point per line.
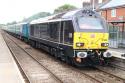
68	32
54	31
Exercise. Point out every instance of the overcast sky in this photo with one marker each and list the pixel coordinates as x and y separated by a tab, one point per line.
16	10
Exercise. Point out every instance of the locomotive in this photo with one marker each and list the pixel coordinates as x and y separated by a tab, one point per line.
78	37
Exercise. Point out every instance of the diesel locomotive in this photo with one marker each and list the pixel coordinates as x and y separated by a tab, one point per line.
78	37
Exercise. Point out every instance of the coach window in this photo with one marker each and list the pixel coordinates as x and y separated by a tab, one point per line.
54	31
40	26
32	30
68	32
37	31
43	30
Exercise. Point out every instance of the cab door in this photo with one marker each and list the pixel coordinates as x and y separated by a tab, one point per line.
66	32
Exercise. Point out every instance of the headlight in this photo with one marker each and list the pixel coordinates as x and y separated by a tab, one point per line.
82	54
104	44
79	44
107	54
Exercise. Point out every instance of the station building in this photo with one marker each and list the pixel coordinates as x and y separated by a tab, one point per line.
114	13
97	3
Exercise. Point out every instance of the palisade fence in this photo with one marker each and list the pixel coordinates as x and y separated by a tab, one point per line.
116	34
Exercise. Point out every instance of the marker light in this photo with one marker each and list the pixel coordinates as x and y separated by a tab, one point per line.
79	44
104	44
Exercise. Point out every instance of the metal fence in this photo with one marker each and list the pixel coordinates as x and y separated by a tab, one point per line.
116	34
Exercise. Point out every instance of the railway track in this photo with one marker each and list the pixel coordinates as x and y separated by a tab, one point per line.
119	66
118	63
116	68
118	60
95	76
88	79
118	73
31	74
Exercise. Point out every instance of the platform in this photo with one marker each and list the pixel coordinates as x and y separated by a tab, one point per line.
118	52
9	72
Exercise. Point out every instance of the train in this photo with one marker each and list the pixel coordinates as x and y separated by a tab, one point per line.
78	37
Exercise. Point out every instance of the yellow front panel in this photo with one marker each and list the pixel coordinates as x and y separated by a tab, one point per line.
90	40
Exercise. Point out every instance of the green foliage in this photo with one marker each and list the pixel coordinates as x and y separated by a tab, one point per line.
14	22
36	16
64	8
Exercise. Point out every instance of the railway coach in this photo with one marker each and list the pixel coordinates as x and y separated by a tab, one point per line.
79	37
19	30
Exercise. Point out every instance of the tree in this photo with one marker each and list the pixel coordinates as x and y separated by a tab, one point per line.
64	8
36	16
11	23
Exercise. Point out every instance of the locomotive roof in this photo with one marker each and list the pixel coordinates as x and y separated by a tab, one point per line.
58	17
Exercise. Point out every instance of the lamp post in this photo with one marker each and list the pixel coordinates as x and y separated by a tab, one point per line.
93	5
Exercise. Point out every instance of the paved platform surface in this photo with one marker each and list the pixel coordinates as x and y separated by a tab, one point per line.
118	52
9	72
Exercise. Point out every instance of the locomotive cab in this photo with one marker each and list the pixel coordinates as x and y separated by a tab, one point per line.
90	38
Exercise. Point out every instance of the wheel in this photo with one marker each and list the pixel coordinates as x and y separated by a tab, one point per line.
51	51
33	44
62	56
55	53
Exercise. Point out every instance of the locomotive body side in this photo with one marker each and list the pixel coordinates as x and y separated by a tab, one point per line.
79	39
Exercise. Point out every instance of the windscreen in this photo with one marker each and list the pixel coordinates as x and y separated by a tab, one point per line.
90	23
